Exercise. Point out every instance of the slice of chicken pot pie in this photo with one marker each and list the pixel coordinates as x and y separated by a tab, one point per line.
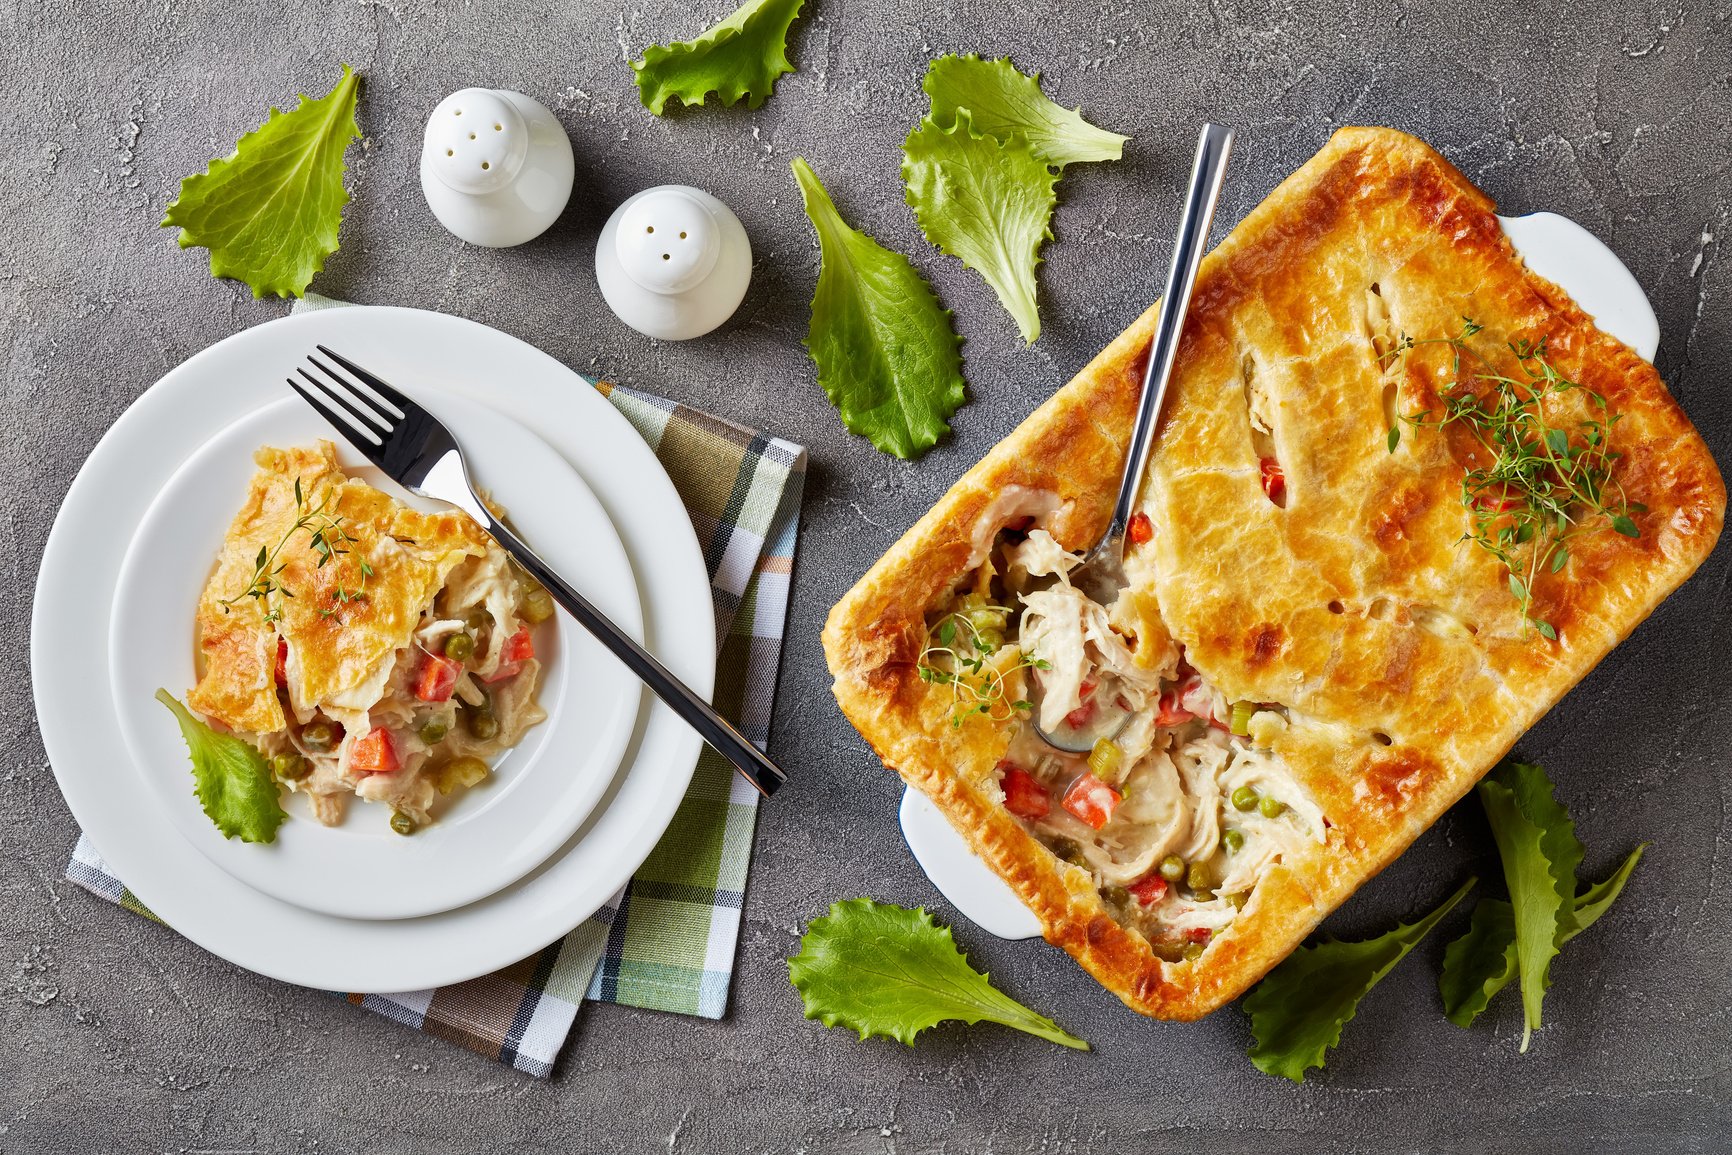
1405	495
365	648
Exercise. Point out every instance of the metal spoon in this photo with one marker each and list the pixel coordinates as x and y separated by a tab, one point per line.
1102	573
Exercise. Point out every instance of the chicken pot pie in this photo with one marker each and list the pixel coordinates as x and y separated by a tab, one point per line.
1375	544
363	647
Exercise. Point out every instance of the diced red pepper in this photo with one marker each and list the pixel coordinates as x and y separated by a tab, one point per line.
1225	727
1150	890
1171	713
1024	796
1493	504
1080	716
1199	934
1140	529
1092	800
518	649
282	662
438	678
1274	481
376	753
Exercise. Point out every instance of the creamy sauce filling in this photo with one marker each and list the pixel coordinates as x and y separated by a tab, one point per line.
1181	818
481	596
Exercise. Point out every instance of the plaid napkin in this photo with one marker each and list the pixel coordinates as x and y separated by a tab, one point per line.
666	941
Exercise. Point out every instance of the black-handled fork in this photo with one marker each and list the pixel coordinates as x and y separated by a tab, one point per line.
416	450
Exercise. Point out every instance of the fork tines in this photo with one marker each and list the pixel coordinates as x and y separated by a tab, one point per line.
369	410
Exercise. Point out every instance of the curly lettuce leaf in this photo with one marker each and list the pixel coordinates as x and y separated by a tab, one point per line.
269	212
885	970
233	784
1540	852
1003	103
1482	962
985	201
885	349
1297	1012
740	57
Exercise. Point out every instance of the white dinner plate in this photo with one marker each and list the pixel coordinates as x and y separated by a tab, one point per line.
128	823
488	836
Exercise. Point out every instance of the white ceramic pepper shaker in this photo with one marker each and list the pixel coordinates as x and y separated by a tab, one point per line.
673	262
496	166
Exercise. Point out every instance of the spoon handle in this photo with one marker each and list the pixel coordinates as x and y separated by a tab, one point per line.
1214	144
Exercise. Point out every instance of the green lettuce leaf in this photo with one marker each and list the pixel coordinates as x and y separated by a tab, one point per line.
1297	1012
231	779
885	970
741	56
1540	852
1482	962
885	349
986	202
1004	103
269	212
979	172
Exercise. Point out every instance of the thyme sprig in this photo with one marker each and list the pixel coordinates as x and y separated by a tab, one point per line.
1546	483
327	536
977	685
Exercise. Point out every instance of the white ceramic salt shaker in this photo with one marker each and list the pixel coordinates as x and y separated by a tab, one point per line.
673	262
496	166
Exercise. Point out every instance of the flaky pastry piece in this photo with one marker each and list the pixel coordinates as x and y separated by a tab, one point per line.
1386	655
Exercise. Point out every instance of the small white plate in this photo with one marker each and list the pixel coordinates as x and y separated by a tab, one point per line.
130	826
1556	248
492	835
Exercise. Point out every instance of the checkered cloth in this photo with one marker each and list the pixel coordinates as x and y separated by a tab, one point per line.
667	940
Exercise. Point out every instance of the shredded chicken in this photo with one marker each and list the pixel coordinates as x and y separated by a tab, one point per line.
1176	771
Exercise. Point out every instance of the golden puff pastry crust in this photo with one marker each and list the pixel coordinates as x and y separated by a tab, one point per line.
1402	658
338	644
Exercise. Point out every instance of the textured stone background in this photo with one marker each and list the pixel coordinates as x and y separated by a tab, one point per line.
115	1035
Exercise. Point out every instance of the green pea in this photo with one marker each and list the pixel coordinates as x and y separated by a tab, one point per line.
1198	877
1244	798
319	734
1271	807
459	646
482	723
987	641
1172	868
290	767
402	823
1233	840
433	731
1068	851
1239	900
1117	895
1193	950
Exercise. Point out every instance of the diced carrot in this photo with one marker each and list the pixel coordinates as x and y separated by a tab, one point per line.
1024	796
1274	481
375	753
1199	934
1092	800
1170	712
1140	528
282	662
1080	716
438	678
518	649
1150	890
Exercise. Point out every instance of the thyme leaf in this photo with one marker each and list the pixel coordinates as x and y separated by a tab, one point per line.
1546	482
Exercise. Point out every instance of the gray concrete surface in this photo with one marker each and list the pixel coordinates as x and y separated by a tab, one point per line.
115	1035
